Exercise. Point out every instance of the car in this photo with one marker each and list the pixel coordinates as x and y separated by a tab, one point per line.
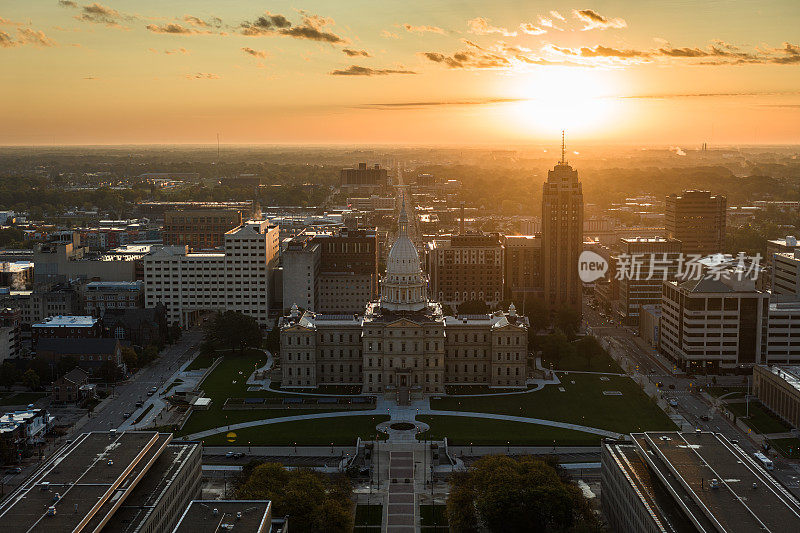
152	391
230	454
705	417
673	402
126	415
238	455
139	403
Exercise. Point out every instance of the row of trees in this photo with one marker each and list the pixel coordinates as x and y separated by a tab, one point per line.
502	494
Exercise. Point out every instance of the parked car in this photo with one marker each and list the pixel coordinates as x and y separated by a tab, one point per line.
139	403
229	454
673	402
126	415
152	391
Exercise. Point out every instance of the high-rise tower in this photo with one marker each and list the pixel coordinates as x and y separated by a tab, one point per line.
562	235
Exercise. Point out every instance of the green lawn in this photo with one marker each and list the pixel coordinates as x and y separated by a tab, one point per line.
582	403
327	389
201	361
789	448
21	398
433	518
323	432
740	391
760	419
368	518
579	362
219	386
460	390
462	431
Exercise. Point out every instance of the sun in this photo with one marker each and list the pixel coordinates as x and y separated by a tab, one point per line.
577	99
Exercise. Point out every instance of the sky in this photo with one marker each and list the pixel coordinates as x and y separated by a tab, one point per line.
460	72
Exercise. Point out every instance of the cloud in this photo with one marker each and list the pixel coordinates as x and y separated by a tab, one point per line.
255	53
531	29
197	22
481	26
183	51
557	15
67	3
497	56
202	76
386	34
6	22
594	20
599	51
99	14
423	104
423	29
313	28
6	41
34	37
355	70
175	29
349	52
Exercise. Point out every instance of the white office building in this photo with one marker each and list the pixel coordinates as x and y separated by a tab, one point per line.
235	279
786	274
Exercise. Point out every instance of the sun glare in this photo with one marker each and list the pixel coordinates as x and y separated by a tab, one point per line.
580	100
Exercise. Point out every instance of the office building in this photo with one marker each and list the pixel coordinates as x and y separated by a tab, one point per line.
90	354
237	516
334	272
237	278
103	295
778	388
17	275
363	177
697	219
199	229
403	344
75	327
466	267
62	259
562	236
28	427
690	482
645	264
786	274
783	332
650	324
10	338
134	481
710	325
523	269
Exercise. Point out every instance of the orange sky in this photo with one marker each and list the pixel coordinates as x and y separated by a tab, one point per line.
447	72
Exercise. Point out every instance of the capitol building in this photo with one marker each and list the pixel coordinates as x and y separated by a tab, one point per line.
403	342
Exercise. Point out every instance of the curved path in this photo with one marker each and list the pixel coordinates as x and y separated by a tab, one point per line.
380	412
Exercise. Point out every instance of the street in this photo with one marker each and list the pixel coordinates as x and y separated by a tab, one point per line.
157	374
646	365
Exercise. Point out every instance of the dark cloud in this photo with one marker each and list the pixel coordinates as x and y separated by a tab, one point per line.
35	38
6	41
99	14
67	3
202	76
197	22
423	29
354	53
593	20
255	53
355	70
313	28
175	28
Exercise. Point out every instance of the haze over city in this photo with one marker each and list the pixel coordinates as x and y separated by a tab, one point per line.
355	72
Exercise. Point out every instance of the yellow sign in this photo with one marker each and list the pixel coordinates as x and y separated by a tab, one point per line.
231	437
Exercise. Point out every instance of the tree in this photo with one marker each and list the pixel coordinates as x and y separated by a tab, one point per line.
65	364
538	314
233	329
473	307
129	357
9	374
568	320
31	379
590	348
273	340
148	355
510	495
556	347
314	501
109	371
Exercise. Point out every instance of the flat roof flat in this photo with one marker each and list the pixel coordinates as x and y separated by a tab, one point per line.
203	516
66	321
82	481
694	459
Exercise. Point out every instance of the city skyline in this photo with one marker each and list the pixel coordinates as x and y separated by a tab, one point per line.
613	72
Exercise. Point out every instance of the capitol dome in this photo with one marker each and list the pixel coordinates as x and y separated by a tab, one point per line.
403	288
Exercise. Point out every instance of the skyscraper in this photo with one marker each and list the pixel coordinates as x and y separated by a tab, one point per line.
562	235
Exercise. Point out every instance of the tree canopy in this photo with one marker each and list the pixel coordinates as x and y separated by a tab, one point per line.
233	330
313	501
504	494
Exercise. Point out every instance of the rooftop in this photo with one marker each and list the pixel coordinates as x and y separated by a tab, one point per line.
114	286
66	321
744	498
788	373
228	515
